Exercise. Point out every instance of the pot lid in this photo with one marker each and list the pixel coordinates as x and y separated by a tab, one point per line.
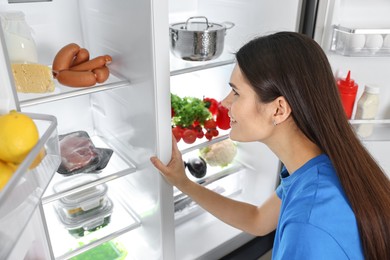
195	26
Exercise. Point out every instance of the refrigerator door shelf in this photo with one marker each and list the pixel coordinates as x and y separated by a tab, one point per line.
378	143
22	194
62	92
380	129
360	42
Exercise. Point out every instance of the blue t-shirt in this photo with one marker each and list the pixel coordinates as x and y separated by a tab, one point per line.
316	220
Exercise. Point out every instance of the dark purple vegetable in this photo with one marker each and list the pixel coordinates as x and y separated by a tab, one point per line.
197	167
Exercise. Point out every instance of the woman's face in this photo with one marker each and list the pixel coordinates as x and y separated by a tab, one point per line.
250	119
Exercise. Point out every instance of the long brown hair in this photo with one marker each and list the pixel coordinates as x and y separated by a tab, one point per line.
294	66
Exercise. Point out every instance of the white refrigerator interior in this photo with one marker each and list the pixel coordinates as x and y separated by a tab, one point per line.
130	114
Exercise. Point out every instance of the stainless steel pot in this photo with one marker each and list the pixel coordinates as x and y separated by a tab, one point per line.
198	40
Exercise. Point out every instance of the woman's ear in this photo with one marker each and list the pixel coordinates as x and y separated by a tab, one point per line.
282	110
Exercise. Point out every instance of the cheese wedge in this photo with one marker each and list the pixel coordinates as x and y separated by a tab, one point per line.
33	78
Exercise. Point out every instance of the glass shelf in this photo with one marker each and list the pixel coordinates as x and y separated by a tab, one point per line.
122	220
360	42
63	92
200	143
116	167
179	66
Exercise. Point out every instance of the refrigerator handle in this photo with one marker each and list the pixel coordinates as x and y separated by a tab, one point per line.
308	17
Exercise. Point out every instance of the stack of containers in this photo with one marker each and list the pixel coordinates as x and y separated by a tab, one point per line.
84	211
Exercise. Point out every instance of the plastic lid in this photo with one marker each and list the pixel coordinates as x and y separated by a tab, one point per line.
372	89
91	218
347	82
80	198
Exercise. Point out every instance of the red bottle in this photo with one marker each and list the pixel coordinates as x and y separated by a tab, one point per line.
348	89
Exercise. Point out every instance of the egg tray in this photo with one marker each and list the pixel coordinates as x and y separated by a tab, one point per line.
360	42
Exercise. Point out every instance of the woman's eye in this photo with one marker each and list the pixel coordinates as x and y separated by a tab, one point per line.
235	92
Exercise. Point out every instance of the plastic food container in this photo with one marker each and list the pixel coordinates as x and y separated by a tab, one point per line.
83	201
108	250
92	220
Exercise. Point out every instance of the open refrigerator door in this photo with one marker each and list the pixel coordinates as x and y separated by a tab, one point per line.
355	36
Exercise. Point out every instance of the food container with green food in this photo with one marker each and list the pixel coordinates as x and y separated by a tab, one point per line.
92	220
83	201
108	250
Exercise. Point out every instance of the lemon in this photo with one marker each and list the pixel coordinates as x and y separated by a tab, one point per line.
18	135
38	159
6	171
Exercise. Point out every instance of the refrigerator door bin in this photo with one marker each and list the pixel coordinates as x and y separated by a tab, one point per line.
378	144
380	129
360	42
23	192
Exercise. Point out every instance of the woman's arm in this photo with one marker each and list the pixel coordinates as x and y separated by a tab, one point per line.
249	218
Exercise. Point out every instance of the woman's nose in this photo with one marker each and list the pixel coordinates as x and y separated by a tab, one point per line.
227	101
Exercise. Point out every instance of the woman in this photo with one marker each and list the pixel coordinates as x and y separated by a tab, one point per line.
334	200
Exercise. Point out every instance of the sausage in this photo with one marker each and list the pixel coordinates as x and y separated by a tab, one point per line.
95	63
76	78
64	58
82	56
101	74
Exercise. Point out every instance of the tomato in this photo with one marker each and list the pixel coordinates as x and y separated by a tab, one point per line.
208	135
189	136
210	124
200	134
177	132
214	132
223	119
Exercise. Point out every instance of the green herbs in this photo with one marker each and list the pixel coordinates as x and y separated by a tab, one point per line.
188	110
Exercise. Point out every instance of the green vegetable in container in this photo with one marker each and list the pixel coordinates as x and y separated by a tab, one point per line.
106	251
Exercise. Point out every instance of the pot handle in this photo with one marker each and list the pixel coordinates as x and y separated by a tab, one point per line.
194	17
228	25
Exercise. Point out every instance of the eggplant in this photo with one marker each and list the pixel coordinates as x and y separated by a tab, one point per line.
197	167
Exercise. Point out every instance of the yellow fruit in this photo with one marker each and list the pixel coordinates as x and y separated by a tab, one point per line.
18	135
38	159
6	172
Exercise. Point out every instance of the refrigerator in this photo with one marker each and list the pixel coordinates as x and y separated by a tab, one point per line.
130	114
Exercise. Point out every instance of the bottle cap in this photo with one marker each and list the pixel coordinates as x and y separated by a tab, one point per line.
372	89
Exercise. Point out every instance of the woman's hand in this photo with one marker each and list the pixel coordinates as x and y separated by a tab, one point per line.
174	171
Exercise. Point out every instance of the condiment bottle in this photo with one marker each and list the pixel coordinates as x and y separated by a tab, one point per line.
18	38
367	108
348	89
